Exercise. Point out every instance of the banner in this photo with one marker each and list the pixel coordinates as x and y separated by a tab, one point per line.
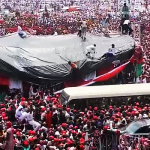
112	73
105	76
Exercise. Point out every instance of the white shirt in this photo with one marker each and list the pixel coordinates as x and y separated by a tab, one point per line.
57	133
140	116
55	33
85	126
53	147
111	124
126	22
43	115
112	50
145	116
23	116
80	28
20	30
72	148
67	115
29	116
18	111
144	80
55	112
90	48
84	24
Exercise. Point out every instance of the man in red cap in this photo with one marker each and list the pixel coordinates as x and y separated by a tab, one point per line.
9	136
20	113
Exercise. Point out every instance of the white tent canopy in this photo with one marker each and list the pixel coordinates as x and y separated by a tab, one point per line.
106	91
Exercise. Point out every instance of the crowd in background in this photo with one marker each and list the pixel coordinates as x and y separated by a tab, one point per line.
146	48
50	20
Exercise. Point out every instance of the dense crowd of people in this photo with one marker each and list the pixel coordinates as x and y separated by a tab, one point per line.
44	124
63	22
146	48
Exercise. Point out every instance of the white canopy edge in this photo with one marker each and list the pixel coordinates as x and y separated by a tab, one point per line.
107	91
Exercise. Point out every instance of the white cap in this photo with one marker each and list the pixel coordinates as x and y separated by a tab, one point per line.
57	133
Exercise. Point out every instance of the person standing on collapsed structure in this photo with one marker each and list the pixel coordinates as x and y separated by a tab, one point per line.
90	51
83	29
126	27
106	24
79	31
21	33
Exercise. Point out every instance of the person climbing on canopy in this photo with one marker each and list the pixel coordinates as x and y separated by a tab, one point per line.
83	29
21	33
90	51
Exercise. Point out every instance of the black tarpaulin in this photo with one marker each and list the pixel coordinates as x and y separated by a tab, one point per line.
46	57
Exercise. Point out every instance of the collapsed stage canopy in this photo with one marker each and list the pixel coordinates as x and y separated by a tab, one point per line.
46	57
